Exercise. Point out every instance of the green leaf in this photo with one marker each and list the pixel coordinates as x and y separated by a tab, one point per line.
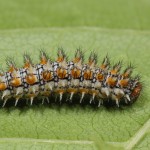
75	127
118	14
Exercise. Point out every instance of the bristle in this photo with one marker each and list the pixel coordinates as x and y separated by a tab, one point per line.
27	61
43	57
79	55
106	63
62	77
92	61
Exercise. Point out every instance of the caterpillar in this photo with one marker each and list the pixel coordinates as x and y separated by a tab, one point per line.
101	83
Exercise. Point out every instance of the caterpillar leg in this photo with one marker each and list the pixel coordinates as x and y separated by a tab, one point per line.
60	92
16	101
116	95
100	102
43	100
83	91
71	92
60	96
71	96
6	95
31	100
47	99
117	102
4	103
82	96
92	98
127	97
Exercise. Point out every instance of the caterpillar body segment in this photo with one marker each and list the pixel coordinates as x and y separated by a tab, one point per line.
100	82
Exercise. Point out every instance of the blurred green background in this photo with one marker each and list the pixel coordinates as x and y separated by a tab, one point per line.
125	14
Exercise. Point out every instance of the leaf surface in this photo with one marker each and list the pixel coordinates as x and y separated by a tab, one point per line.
77	127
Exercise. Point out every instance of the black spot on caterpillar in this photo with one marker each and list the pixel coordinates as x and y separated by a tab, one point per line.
101	83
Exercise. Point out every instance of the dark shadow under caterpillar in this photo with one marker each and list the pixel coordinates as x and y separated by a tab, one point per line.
97	84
